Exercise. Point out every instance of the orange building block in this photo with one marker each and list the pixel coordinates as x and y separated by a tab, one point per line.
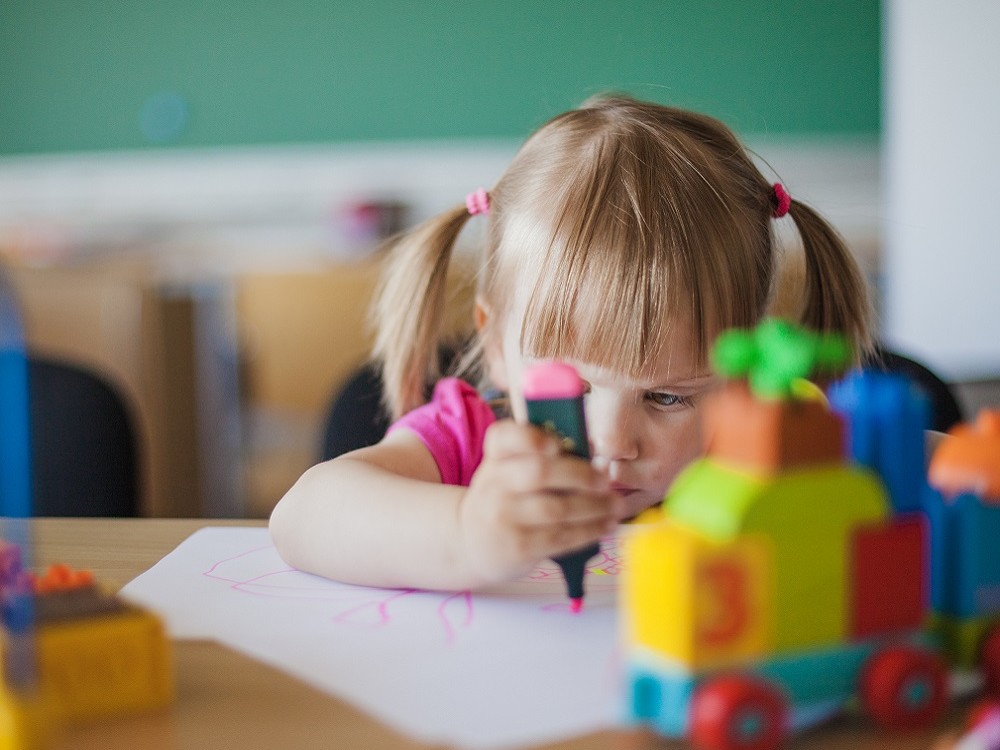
889	585
61	577
766	437
968	460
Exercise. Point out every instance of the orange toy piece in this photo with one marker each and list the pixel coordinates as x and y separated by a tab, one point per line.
968	460
768	437
61	577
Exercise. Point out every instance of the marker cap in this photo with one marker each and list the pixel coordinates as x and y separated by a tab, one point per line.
551	380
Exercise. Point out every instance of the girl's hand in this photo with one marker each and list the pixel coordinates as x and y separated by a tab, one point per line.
529	501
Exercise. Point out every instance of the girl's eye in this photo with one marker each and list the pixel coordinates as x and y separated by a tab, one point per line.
669	400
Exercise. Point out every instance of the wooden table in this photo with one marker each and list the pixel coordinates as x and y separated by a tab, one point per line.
227	700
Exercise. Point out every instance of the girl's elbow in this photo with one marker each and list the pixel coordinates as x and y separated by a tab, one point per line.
301	519
285	524
281	531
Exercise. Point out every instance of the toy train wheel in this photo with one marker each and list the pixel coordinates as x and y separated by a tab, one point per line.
904	687
989	661
737	712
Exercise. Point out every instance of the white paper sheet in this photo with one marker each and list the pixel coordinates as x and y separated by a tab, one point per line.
508	668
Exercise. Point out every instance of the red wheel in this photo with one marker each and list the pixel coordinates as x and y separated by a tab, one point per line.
904	687
737	713
989	661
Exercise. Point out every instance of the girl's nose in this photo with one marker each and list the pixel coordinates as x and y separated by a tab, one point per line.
612	431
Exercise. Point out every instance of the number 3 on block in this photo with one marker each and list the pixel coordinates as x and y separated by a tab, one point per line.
732	612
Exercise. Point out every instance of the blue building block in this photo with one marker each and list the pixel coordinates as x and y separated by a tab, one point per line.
886	415
17	612
964	540
942	548
15	456
658	696
821	676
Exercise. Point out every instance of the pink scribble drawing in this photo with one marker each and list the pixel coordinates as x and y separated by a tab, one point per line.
464	598
261	572
211	572
361	614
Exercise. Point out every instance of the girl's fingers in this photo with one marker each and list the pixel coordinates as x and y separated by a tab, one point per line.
561	473
545	542
507	438
553	509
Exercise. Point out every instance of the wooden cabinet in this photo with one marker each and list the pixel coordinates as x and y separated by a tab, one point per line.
112	319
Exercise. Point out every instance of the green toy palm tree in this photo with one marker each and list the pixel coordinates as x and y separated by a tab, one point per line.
776	354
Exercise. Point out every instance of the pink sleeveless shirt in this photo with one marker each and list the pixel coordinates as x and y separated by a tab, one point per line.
452	425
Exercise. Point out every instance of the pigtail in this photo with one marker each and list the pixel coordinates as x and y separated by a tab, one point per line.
409	307
836	297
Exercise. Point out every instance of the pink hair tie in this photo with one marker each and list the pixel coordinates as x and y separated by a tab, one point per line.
478	202
784	200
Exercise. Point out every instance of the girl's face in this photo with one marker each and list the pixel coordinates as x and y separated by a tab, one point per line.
641	432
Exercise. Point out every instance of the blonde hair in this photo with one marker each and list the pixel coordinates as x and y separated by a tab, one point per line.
619	219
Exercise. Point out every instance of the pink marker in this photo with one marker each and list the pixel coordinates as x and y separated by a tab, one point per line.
553	392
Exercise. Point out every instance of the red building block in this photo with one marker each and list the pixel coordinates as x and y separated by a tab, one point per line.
889	577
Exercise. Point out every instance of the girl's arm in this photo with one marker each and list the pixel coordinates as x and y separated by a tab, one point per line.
377	516
380	516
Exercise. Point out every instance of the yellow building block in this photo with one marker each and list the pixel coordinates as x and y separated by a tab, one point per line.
808	516
26	723
695	601
105	665
76	654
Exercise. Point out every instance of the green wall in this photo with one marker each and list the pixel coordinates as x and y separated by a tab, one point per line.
106	74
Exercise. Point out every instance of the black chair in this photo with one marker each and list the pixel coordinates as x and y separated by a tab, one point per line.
945	409
355	417
83	443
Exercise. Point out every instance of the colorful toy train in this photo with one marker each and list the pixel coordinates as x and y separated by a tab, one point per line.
805	560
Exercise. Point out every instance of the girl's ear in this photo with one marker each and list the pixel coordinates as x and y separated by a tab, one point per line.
481	315
492	338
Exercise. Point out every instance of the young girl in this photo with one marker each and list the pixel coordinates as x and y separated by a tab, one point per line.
623	238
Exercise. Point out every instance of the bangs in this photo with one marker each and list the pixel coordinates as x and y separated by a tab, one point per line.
616	322
627	261
600	300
